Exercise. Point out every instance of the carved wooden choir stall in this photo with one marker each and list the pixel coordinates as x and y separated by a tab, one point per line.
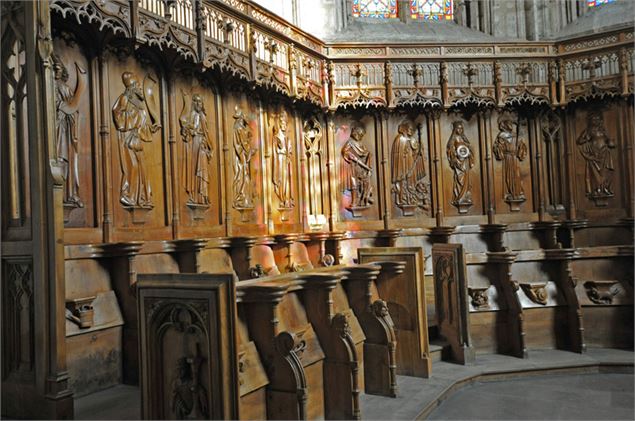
204	200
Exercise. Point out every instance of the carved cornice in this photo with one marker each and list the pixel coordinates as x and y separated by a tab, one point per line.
230	47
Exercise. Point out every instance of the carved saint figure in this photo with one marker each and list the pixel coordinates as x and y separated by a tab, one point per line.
461	159
595	146
189	397
312	135
510	149
408	170
198	150
67	128
135	123
243	152
282	161
357	169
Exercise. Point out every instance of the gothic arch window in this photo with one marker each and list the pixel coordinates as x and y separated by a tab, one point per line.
594	3
379	9
432	9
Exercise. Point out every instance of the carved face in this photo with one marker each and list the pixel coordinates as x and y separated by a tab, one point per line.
197	103
458	128
406	129
358	133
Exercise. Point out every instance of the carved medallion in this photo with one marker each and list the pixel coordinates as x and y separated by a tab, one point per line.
408	170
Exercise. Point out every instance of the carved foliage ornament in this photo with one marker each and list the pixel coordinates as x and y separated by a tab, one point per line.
408	170
511	150
596	147
357	170
136	118
461	159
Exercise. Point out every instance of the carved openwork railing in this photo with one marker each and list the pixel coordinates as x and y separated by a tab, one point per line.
239	37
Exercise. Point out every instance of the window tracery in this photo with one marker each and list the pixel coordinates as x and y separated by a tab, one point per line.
432	9
379	9
594	3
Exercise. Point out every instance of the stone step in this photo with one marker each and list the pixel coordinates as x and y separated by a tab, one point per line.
438	348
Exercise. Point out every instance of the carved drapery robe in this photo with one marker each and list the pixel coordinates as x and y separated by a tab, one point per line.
509	149
282	164
134	128
356	172
408	171
198	155
243	152
461	159
595	146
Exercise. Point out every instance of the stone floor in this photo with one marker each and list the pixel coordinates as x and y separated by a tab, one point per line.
549	384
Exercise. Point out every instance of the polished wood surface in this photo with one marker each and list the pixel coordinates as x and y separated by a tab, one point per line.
141	141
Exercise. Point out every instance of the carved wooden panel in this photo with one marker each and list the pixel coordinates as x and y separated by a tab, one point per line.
18	336
138	190
512	154
410	187
281	152
451	293
198	155
405	296
188	351
598	149
244	141
76	143
462	165
358	166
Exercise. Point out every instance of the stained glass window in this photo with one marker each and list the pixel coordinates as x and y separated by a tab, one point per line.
380	9
432	9
593	3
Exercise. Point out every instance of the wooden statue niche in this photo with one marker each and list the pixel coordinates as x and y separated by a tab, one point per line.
408	170
198	152
461	158
357	171
242	186
136	119
312	136
67	130
282	171
511	149
595	147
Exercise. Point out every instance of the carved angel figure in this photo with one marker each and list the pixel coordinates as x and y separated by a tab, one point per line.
67	128
282	161
198	150
408	170
595	146
135	122
461	159
510	149
357	169
243	152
